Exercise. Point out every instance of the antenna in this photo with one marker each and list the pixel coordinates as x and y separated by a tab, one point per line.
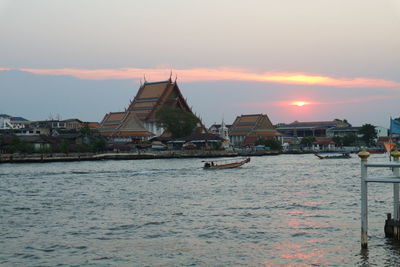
144	77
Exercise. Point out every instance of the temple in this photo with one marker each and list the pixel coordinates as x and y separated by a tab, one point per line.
247	129
123	127
139	120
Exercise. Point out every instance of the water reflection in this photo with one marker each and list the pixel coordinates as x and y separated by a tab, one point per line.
276	211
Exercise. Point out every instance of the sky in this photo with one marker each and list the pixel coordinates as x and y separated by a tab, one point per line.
82	59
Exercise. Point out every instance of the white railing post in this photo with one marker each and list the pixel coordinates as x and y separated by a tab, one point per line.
396	154
364	199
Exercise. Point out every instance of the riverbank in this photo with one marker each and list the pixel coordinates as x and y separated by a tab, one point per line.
59	157
62	157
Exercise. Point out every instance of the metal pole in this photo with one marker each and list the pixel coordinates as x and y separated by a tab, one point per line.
364	199
396	155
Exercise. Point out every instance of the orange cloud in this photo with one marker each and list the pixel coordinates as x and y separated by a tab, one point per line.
217	74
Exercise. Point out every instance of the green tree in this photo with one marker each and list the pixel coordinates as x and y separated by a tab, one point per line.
274	144
307	141
85	130
178	122
350	139
98	145
22	146
369	134
338	140
64	146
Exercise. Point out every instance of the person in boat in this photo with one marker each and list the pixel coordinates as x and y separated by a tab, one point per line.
207	165
212	163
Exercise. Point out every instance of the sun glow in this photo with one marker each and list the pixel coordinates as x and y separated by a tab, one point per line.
299	103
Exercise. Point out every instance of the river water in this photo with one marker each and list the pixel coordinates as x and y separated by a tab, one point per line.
281	210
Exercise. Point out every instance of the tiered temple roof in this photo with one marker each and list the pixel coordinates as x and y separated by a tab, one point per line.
118	124
258	124
253	127
152	96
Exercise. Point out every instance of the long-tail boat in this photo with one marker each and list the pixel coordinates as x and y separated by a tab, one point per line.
339	155
224	163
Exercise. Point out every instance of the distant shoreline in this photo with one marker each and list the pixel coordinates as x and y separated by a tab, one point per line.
140	155
62	157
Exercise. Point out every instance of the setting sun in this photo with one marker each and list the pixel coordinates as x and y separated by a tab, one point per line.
299	103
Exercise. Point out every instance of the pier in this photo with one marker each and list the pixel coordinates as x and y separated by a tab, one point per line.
392	225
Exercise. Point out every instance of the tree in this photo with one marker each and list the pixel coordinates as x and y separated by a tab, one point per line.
87	131
271	143
22	146
307	141
350	139
338	140
64	146
178	122
98	145
369	134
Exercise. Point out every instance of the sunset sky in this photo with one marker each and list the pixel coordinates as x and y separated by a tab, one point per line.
307	60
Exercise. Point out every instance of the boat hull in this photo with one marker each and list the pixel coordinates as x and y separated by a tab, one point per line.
343	156
227	166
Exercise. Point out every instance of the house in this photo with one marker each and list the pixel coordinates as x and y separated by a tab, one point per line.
38	142
223	131
324	143
73	124
10	122
381	131
216	128
198	141
91	125
316	129
342	131
26	143
50	124
31	131
247	129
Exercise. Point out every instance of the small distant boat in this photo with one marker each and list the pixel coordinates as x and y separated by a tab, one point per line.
224	163
340	155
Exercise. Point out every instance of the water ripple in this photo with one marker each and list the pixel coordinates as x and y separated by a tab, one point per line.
291	210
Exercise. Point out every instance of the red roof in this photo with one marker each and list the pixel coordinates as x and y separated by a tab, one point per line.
324	141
